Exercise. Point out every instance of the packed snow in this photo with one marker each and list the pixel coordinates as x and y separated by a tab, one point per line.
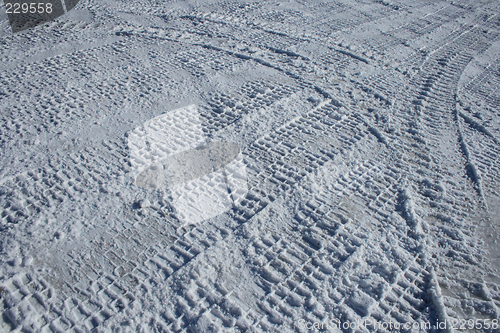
251	166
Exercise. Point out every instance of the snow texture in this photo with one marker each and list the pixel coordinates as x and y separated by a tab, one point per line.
251	166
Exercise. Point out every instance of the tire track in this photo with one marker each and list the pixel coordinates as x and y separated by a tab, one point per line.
177	252
406	197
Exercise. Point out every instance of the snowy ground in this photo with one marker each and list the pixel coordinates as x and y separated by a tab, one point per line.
251	166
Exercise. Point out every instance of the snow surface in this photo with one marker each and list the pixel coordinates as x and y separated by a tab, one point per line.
250	166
